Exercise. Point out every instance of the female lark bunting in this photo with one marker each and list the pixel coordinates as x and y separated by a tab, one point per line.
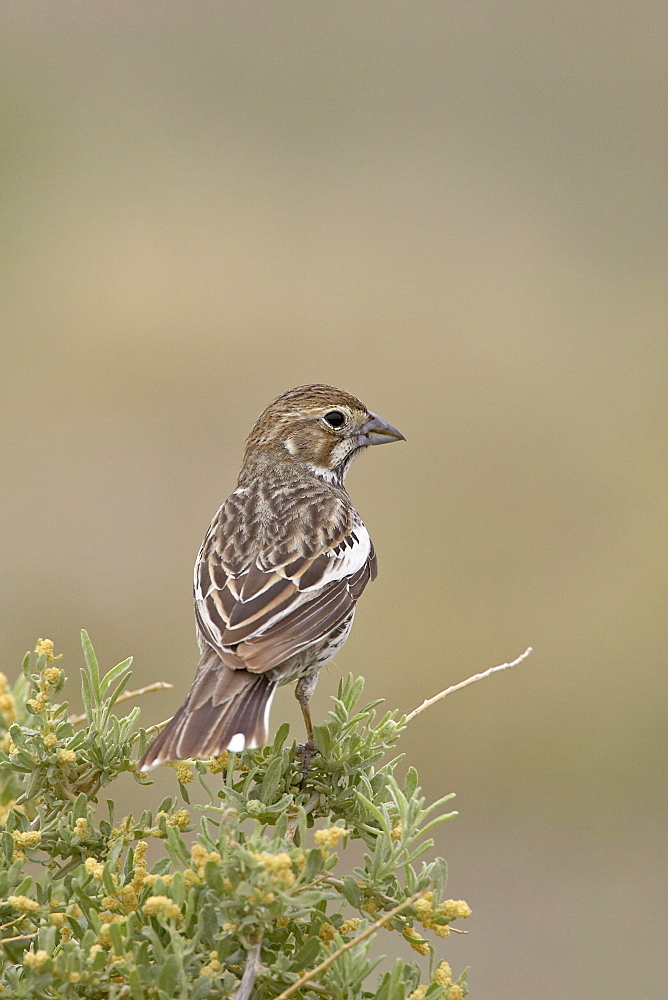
278	574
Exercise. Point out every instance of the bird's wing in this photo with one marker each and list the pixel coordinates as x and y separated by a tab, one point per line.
257	608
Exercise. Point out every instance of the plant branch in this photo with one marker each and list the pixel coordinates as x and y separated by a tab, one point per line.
156	686
245	987
154	729
462	684
376	925
293	822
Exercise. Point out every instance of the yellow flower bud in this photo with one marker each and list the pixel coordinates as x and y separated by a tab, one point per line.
8	707
416	941
423	906
218	764
129	897
30	838
35	959
94	868
45	646
180	819
327	933
23	904
161	904
183	773
454	908
443	974
213	967
329	837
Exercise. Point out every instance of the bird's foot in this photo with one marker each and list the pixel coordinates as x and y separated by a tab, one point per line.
305	753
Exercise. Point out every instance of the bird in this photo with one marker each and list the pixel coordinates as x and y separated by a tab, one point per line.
278	575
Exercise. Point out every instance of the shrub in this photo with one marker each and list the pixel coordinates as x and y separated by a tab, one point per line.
249	896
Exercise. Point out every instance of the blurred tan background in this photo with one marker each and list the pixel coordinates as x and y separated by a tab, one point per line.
455	211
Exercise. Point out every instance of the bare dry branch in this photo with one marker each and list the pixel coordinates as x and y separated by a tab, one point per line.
19	937
462	684
349	944
154	729
245	987
156	686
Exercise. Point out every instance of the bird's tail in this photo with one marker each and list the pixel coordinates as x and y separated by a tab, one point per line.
225	710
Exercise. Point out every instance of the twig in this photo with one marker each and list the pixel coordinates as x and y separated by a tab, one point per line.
10	923
154	729
250	972
349	944
334	882
19	937
156	686
293	822
462	684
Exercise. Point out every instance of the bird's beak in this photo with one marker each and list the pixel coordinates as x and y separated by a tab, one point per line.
378	431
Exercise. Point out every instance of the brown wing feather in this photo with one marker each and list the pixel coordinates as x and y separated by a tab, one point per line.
259	610
295	632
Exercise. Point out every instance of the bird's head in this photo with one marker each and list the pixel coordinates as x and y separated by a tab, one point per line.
321	427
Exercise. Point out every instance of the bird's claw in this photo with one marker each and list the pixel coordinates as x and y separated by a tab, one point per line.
304	753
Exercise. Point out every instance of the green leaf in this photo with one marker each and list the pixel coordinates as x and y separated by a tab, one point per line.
87	695
375	812
410	782
313	865
200	989
353	892
117	938
108	881
22	887
91	662
307	954
281	736
115	853
271	781
213	877
112	674
136	985
169	975
438	821
18	736
25	666
323	740
80	806
208	924
178	890
113	698
176	844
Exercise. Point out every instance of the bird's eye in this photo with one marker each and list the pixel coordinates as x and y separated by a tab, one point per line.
335	418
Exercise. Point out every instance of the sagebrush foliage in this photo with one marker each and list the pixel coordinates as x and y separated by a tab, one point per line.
247	887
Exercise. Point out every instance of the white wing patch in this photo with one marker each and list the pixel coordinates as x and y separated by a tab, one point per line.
346	558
